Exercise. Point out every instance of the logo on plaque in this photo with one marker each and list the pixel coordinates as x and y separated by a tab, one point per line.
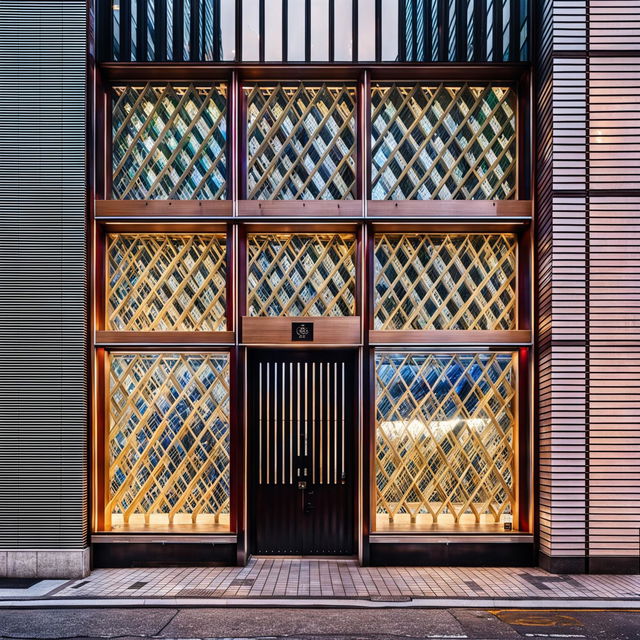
302	331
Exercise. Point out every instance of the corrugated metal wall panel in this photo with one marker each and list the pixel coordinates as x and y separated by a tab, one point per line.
614	364
43	425
562	292
589	272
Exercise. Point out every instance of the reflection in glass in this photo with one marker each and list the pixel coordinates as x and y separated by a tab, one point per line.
445	441
443	142
250	30
169	142
301	141
445	281
166	282
168	442
301	274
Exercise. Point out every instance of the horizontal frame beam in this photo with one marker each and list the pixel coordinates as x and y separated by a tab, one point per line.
450	337
163	338
277	331
454	72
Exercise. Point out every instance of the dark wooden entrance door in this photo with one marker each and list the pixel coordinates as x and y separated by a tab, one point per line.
301	443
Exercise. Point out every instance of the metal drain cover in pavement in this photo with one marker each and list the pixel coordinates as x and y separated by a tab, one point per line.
137	585
390	598
243	582
200	593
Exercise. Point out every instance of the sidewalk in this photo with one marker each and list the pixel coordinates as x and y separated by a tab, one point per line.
305	582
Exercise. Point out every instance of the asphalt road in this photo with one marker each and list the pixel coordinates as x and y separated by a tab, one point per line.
310	624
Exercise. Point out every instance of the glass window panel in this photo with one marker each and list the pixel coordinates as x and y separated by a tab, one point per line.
166	282
250	30
320	30
301	141
389	30
296	31
443	142
301	275
228	28
366	30
273	30
445	281
169	142
343	34
168	442
445	441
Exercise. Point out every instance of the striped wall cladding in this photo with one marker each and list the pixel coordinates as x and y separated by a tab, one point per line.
43	425
588	226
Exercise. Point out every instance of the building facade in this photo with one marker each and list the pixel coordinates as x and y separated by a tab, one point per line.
319	277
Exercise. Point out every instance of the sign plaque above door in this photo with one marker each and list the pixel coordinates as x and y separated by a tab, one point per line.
302	331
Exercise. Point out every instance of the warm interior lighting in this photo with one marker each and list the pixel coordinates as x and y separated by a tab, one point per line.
418	429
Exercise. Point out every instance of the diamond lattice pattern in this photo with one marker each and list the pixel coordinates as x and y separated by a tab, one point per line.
443	142
169	142
301	275
445	281
169	438
444	437
301	142
166	282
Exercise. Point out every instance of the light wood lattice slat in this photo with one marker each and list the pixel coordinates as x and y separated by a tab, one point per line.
440	142
166	282
168	438
444	436
445	281
169	142
301	142
301	275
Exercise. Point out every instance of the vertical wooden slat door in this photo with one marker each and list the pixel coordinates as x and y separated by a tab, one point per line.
302	470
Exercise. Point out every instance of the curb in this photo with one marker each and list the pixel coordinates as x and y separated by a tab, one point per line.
332	603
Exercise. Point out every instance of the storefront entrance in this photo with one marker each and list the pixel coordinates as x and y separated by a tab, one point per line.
301	452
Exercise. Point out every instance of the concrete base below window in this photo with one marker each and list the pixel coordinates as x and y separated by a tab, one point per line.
45	563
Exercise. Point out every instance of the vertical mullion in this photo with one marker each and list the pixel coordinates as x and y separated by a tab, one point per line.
217	32
285	30
414	31
232	140
378	30
354	30
178	30
125	31
261	31
402	31
141	31
194	33
160	19
498	44
443	30
238	30
480	31
307	30
332	30
514	31
428	34
461	30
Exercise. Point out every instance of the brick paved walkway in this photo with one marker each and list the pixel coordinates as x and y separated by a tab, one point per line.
292	578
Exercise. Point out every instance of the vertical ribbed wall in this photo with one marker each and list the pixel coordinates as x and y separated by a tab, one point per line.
43	423
588	207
